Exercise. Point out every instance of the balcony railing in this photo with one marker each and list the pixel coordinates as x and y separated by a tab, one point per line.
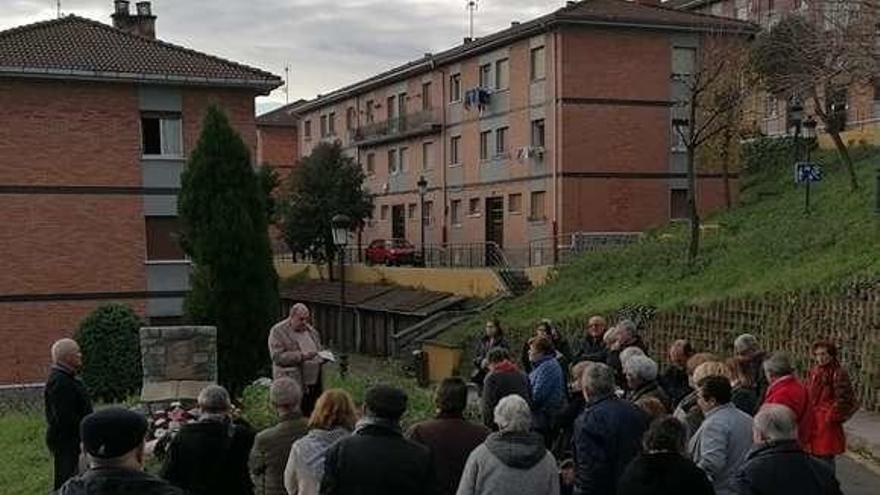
414	124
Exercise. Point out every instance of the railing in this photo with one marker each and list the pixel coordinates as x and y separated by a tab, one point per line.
425	120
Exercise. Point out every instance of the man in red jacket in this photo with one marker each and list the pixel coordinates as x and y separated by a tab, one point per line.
786	389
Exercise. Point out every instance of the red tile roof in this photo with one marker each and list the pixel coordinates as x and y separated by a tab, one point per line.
77	48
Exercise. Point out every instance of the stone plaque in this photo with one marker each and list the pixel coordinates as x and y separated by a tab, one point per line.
177	361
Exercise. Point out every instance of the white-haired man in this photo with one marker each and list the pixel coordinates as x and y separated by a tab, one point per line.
66	404
512	460
293	347
777	464
211	455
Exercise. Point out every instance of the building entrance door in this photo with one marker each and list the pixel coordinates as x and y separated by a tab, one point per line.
398	222
494	229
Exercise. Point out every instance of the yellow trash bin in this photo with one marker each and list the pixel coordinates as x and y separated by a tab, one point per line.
443	359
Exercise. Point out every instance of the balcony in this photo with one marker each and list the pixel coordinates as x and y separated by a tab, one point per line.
412	125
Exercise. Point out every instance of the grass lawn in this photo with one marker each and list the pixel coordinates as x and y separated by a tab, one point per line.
765	245
25	468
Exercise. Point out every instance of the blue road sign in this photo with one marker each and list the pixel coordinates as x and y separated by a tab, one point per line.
807	172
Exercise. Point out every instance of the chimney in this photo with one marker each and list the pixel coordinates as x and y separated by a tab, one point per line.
143	23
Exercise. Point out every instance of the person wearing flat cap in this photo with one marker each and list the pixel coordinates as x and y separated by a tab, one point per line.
377	459
113	441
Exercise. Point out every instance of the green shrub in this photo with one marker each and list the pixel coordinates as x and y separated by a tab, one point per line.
110	346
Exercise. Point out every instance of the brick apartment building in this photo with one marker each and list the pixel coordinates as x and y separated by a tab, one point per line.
557	125
95	125
277	139
770	114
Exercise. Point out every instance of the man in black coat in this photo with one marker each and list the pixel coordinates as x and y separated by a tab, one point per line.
592	346
607	435
113	439
504	378
211	456
777	464
66	404
376	459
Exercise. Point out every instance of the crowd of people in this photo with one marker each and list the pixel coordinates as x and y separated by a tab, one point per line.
592	417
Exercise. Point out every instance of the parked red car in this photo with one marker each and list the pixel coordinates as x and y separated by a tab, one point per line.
392	252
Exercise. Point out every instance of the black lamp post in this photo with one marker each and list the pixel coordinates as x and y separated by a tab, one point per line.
423	189
809	136
340	225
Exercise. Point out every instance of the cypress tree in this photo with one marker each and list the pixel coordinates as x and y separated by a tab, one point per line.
225	232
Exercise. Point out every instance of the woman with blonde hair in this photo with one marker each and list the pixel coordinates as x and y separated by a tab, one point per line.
333	419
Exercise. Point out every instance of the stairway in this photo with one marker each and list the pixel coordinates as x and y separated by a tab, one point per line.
515	280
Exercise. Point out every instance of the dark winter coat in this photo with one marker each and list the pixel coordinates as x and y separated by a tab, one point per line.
589	349
481	351
66	404
607	437
674	381
650	389
377	460
548	392
745	399
270	453
755	366
782	467
115	481
209	458
451	439
505	380
663	473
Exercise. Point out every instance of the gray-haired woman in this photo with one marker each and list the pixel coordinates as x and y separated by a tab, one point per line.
512	461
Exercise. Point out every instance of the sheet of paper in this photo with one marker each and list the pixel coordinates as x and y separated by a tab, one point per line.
327	356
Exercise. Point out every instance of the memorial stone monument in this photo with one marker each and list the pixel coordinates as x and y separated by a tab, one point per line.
177	361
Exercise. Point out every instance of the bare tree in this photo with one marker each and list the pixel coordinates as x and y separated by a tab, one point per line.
819	53
710	104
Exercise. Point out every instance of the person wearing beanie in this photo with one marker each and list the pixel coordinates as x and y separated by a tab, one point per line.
113	441
377	459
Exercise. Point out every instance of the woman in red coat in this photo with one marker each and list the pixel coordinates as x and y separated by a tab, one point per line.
832	401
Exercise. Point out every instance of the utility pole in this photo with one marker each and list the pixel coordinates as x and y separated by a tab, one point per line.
287	83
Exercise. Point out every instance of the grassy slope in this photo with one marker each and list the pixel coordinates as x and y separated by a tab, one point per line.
767	245
25	468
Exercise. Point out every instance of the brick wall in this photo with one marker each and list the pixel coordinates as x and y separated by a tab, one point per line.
59	133
277	146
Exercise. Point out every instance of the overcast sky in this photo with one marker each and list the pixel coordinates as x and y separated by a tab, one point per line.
327	43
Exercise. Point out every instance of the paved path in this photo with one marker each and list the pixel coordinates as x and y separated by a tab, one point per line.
856	479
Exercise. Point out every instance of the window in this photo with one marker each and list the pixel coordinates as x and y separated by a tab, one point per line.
484	144
427	156
502	74
514	204
349	118
332	123
538	211
401	105
678	206
455	211
402	157
163	239
323	126
392	162
485	75
369	111
501	141
161	134
771	105
383	212
538	133
307	129
426	96
680	127
537	63
371	163
454	145
411	214
474	206
428	213
390	107
454	88
683	61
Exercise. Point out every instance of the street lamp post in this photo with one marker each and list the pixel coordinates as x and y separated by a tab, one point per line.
809	135
795	119
340	225
423	189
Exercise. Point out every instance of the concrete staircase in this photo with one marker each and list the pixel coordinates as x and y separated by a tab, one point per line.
515	280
